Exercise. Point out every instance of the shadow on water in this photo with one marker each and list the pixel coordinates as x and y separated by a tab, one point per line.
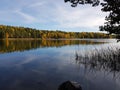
22	45
106	59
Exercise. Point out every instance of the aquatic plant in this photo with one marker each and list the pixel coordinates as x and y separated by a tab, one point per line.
105	58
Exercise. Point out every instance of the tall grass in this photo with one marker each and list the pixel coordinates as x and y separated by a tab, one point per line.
103	58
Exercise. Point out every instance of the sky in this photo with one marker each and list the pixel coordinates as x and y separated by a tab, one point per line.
51	15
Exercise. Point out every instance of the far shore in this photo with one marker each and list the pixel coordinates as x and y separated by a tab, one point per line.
52	38
20	39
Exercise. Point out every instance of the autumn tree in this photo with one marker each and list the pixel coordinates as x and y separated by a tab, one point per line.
21	32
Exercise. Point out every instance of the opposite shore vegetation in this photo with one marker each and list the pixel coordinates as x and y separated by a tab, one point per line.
13	32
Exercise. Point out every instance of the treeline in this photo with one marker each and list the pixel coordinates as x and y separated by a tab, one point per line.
22	32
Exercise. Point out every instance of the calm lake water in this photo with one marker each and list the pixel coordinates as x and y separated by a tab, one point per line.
45	64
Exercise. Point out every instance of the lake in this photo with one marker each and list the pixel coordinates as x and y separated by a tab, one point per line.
45	64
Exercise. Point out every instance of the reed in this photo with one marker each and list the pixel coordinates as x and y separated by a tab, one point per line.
106	58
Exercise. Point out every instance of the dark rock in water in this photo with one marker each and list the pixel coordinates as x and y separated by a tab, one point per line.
69	85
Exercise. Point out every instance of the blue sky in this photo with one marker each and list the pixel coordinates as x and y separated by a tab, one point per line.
50	15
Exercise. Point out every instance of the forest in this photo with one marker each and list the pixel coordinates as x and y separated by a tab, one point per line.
24	32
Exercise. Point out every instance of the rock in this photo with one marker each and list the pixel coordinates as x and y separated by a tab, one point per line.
69	85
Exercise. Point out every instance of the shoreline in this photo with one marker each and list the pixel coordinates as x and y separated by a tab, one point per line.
20	39
54	38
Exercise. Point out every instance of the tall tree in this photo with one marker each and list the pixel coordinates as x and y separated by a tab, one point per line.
112	24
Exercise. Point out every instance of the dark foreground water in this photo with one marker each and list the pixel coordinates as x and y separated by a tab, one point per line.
44	65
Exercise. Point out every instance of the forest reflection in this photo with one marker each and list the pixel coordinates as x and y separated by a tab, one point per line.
106	60
21	45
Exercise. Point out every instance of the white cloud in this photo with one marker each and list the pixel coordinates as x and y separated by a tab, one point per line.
27	18
37	4
52	14
74	18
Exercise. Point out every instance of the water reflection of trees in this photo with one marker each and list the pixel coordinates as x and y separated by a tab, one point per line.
105	59
21	45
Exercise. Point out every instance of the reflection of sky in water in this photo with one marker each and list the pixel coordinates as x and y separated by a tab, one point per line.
46	68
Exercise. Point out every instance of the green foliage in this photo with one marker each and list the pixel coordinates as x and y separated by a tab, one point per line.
21	32
76	2
112	24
